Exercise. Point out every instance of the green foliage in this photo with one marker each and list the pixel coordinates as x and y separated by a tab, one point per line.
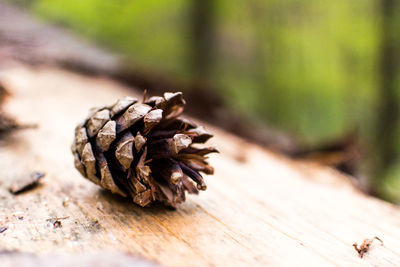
152	34
313	67
305	66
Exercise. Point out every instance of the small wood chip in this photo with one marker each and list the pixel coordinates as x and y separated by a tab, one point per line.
65	202
26	183
364	247
2	229
57	224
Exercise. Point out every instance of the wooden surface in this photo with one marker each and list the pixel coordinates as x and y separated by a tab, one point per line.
259	208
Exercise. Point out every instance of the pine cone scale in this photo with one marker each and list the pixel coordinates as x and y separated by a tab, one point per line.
106	135
121	105
133	114
97	121
124	150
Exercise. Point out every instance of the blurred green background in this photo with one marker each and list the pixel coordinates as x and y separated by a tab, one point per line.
315	69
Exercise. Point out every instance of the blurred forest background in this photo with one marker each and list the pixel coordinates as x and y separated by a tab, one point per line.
317	70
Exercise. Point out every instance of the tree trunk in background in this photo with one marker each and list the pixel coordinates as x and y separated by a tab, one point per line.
388	95
202	39
264	41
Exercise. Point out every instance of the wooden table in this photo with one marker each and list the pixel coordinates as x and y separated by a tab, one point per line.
259	209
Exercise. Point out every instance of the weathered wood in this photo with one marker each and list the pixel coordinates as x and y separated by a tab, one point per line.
103	259
259	208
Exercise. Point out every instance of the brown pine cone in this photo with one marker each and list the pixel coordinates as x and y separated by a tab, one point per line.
143	150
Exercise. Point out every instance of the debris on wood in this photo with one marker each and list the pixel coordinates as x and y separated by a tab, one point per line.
364	247
18	215
3	93
2	229
57	224
6	122
56	221
65	202
26	183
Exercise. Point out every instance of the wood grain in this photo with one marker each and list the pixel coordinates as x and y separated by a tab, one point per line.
260	209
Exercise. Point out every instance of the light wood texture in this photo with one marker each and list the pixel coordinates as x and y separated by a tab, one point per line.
259	208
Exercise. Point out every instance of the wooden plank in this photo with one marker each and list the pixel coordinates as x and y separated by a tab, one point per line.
259	208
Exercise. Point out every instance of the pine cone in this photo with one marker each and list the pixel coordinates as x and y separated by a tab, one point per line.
143	150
